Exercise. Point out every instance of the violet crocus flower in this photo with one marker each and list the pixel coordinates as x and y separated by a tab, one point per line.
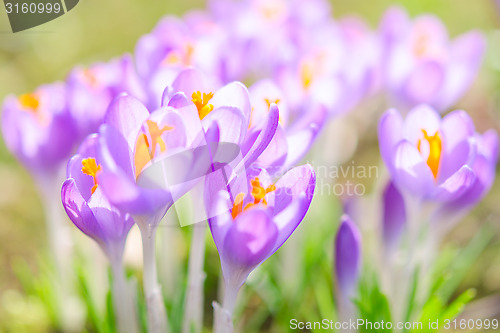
394	216
91	90
39	130
422	64
437	160
253	218
91	212
87	206
347	258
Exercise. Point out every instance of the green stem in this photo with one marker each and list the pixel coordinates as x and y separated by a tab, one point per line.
157	317
124	305
193	307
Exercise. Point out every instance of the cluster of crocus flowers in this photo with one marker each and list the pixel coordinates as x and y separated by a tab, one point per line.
131	169
154	125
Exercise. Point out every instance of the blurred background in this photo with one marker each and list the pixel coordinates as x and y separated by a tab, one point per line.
100	30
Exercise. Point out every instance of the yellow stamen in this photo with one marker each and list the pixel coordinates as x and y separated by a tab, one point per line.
237	205
145	147
172	58
306	75
258	193
91	168
434	151
89	77
202	103
421	46
29	102
179	56
270	101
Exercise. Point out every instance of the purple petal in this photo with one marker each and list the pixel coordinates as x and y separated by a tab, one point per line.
178	100
347	256
114	225
231	123
130	198
191	80
113	152
294	192
265	136
424	82
79	212
234	95
411	172
394	215
389	134
127	114
466	54
394	24
484	171
421	117
488	145
455	185
301	137
459	146
249	241
274	156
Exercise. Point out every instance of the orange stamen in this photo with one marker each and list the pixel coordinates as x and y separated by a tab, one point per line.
434	151
29	102
258	193
145	147
202	103
237	205
91	168
270	101
306	75
89	77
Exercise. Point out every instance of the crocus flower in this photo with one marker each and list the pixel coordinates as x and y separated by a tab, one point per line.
91	90
347	257
38	129
254	218
394	215
91	212
434	159
422	64
87	206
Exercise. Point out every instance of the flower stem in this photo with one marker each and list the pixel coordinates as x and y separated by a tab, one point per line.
124	305
223	316
60	243
193	308
157	317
